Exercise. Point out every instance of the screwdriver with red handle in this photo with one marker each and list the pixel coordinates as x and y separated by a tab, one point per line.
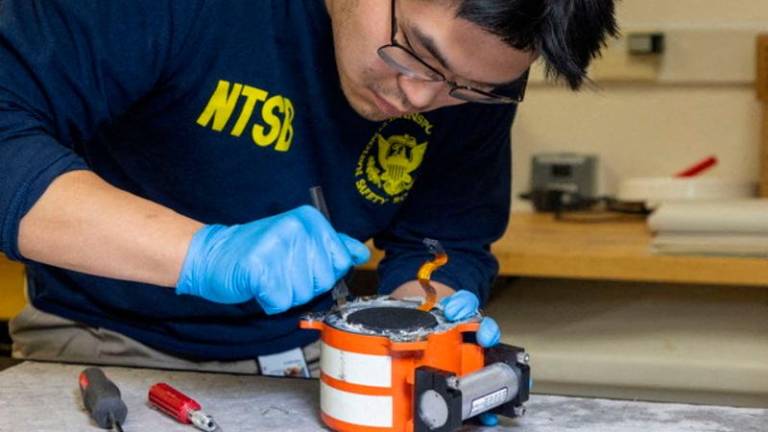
181	407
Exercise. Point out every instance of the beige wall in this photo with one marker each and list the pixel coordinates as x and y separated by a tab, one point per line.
693	11
696	101
658	342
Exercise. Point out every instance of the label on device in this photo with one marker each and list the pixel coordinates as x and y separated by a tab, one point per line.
289	363
484	403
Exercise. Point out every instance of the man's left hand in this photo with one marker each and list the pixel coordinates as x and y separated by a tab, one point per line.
462	305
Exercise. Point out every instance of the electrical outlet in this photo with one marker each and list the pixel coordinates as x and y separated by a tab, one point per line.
617	63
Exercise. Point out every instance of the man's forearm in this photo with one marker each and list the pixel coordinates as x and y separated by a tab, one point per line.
84	224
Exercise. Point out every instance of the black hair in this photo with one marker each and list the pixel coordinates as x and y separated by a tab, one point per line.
567	33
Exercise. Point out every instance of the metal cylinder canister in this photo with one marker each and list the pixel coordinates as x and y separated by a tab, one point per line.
367	364
487	388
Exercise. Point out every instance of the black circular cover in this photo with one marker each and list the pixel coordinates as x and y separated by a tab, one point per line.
387	318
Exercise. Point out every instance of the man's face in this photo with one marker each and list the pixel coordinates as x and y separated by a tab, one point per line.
462	51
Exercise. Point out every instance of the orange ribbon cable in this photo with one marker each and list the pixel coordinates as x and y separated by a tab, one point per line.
425	272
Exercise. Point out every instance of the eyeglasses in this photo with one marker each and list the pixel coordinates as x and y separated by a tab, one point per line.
409	64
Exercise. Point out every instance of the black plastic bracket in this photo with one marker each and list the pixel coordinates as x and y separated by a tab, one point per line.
428	378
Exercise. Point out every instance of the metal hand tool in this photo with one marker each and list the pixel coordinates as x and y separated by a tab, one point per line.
181	407
340	290
102	399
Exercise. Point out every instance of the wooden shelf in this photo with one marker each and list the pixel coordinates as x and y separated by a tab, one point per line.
535	245
11	288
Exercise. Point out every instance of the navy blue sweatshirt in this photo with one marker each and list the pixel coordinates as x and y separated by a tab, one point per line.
227	112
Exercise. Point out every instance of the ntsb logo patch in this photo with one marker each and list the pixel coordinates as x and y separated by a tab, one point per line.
386	168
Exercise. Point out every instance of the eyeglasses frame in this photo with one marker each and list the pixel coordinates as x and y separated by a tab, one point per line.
493	98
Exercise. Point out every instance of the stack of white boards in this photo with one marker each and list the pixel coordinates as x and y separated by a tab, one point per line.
728	228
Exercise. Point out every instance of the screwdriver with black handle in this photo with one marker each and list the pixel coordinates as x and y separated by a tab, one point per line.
102	399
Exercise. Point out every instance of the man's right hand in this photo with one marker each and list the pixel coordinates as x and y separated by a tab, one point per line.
281	261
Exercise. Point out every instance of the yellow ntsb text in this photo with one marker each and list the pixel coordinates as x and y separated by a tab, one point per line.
274	126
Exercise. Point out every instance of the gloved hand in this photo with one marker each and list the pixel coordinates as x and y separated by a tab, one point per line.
281	261
462	305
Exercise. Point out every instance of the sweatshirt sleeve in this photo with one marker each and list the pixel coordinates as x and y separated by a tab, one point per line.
68	68
461	199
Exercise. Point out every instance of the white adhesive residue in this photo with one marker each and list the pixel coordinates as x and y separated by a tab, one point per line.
338	319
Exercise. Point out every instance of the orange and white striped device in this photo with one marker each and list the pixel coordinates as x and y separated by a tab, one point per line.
388	366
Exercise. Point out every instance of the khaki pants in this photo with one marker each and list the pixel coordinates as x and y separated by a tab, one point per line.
38	335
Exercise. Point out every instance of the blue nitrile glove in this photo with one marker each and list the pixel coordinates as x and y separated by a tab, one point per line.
488	419
281	261
462	305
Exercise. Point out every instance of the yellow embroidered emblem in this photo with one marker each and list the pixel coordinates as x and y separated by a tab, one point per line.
385	169
398	156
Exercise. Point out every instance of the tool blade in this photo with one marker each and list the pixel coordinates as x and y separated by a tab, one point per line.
340	291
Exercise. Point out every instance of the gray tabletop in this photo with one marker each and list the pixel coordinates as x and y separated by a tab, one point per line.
44	397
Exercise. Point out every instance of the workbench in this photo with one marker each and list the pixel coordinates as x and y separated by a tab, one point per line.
44	397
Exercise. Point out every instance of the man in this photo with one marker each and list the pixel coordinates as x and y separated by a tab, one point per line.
156	157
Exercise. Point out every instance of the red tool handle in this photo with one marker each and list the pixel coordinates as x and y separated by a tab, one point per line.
172	402
698	167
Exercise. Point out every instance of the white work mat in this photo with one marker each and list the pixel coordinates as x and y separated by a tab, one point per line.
43	397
